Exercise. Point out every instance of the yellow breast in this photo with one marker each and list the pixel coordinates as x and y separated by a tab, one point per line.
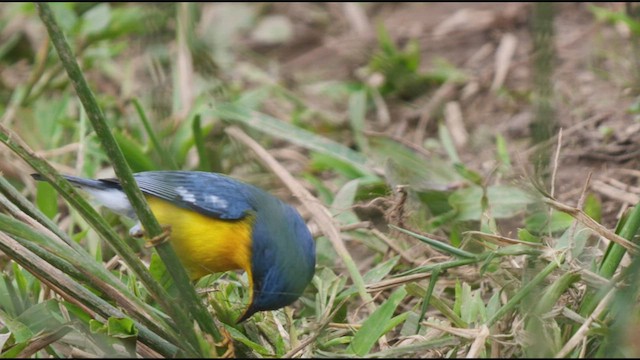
205	244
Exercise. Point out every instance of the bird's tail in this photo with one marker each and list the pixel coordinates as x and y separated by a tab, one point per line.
107	192
84	183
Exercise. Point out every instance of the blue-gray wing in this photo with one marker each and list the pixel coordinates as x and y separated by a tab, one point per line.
209	193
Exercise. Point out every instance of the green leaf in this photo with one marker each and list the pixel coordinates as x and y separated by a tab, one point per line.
132	151
447	143
20	331
539	222
44	316
65	15
96	19
574	237
238	336
438	244
593	207
14	351
160	273
322	162
405	166
294	134
503	152
121	328
525	235
373	328
472	309
604	14
46	199
342	204
504	202
380	271
468	174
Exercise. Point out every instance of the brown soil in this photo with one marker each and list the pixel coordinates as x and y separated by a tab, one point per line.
592	82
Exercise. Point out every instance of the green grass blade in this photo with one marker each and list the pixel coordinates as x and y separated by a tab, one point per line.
524	291
282	130
373	327
166	159
439	245
188	297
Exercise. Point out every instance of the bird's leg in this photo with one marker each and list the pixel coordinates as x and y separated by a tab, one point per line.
227	342
164	236
136	230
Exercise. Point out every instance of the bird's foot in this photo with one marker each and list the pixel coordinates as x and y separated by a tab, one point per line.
136	230
157	240
227	342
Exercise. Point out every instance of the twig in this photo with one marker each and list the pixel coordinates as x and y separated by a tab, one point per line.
504	54
444	92
478	344
395	282
455	123
615	193
377	233
593	225
357	19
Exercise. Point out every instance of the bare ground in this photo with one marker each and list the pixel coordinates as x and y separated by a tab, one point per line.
492	44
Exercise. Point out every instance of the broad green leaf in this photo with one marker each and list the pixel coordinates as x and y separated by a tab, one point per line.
342	204
133	151
380	271
46	199
121	328
539	222
447	143
604	14
504	202
371	329
96	19
525	235
593	207
403	166
322	162
292	133
468	174
238	336
14	351
160	273
472	309
574	236
20	331
494	304
43	316
65	15
502	152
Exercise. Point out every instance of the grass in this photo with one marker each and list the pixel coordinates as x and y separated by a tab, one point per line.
420	252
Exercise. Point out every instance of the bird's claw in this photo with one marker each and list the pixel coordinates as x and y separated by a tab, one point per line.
136	230
226	343
157	240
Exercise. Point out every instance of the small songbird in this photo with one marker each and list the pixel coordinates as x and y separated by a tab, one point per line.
219	224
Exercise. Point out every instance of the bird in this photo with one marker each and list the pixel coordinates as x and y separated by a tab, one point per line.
219	224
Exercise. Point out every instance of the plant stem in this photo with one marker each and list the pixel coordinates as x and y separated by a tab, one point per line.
188	298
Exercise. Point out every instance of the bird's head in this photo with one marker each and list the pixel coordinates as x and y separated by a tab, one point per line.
283	258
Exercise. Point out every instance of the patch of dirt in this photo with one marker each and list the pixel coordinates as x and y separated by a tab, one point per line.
492	43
